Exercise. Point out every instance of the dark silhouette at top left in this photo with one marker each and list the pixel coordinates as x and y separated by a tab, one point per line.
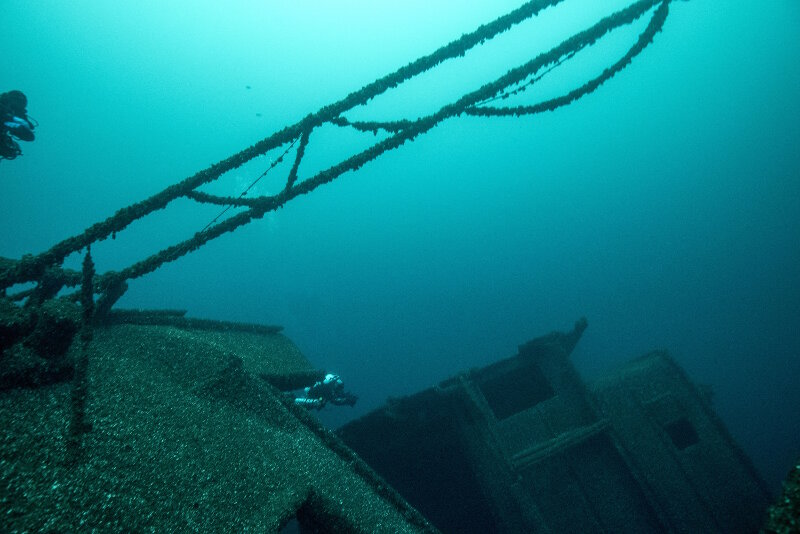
14	124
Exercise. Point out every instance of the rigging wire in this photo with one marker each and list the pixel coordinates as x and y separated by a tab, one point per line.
504	95
272	165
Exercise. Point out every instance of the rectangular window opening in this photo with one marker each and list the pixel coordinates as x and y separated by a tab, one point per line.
516	391
682	433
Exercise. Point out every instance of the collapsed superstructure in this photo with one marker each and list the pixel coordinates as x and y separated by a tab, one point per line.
186	426
523	445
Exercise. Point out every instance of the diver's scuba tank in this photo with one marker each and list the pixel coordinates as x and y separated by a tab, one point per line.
22	129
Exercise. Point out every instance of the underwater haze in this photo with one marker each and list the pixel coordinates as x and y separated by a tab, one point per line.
664	207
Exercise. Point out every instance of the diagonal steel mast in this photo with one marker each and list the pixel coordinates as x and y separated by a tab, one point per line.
45	268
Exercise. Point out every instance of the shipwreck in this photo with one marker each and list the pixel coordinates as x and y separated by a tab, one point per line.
126	420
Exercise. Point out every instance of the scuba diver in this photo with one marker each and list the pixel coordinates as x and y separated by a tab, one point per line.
330	389
14	123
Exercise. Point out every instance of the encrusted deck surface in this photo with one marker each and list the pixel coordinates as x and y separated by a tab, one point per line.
184	435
